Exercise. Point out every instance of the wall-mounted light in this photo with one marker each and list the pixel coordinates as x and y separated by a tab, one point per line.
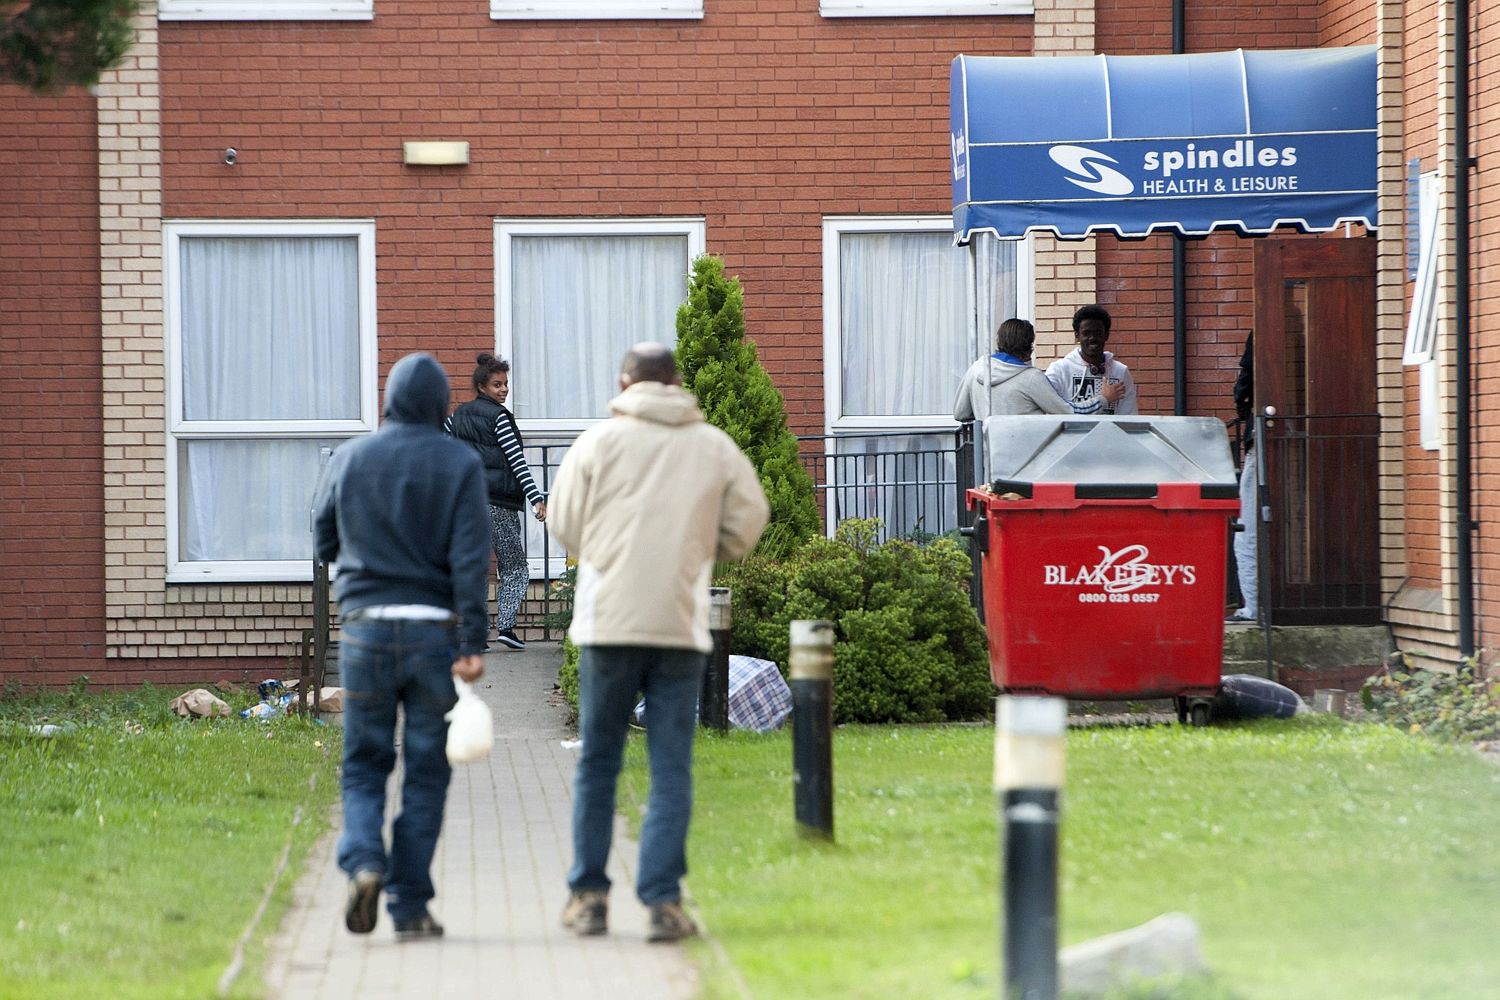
435	154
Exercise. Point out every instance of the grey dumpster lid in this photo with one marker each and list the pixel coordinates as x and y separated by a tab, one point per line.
1110	451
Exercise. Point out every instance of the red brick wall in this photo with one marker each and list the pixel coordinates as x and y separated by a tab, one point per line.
1346	22
51	445
763	117
1424	485
1484	247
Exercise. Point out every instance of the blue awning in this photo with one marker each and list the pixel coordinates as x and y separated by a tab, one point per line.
1244	141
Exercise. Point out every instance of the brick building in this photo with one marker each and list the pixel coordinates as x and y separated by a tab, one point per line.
164	419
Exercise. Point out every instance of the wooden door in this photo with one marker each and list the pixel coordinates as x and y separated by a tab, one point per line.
1315	370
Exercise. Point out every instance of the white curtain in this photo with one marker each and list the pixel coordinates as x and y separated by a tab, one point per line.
270	332
577	304
270	328
908	330
248	499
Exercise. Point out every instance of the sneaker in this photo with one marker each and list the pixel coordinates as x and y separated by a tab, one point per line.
364	901
418	928
509	638
670	923
587	912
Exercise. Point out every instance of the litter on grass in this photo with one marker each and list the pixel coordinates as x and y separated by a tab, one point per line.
199	703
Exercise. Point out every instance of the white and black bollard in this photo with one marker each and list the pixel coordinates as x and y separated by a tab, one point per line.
811	669
1029	735
713	701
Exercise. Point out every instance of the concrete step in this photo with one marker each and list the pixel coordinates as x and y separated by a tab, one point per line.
1308	657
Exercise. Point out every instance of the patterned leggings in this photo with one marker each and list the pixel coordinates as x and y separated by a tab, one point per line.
510	565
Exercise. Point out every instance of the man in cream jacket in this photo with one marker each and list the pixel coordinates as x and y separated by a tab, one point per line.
646	502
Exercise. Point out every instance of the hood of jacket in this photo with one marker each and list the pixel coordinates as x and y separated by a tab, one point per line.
417	391
657	402
999	372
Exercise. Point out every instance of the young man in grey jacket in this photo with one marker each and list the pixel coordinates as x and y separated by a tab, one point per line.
402	513
646	502
1005	383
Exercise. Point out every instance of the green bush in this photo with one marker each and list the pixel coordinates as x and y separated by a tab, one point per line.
719	366
567	674
1457	706
908	646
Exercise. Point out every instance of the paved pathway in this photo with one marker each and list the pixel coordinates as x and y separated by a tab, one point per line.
499	873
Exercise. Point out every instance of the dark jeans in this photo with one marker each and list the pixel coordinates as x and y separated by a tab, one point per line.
609	678
385	664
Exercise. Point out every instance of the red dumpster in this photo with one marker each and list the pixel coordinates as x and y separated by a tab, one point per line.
1103	551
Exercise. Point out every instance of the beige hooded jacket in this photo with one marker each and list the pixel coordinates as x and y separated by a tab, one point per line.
646	502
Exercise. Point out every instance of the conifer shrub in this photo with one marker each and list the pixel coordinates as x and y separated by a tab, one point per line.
46	45
908	646
736	394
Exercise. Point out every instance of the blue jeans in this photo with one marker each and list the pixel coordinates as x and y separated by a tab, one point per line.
384	664
609	677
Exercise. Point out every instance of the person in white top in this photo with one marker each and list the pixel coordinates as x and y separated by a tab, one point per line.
1089	377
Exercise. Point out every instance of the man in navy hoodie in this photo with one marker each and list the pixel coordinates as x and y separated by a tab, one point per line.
402	513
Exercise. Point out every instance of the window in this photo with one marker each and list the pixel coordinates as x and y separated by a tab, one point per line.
271	361
571	297
921	8
584	10
905	313
1421	326
265	10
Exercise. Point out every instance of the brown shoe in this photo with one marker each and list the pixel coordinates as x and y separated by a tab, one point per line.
670	923
587	912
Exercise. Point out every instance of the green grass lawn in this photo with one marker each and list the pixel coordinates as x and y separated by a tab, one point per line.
1322	860
138	846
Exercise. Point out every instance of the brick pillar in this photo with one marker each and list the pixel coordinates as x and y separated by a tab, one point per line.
1065	272
134	396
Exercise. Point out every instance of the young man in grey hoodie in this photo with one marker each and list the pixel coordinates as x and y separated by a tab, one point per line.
1005	383
402	513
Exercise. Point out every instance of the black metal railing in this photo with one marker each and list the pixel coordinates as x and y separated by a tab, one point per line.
1319	553
909	481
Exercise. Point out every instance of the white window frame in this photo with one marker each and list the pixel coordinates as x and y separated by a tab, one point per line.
179	429
695	229
836	226
922	8
1422	323
1429	391
594	10
266	10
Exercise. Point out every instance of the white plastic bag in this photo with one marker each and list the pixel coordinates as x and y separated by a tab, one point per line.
471	727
